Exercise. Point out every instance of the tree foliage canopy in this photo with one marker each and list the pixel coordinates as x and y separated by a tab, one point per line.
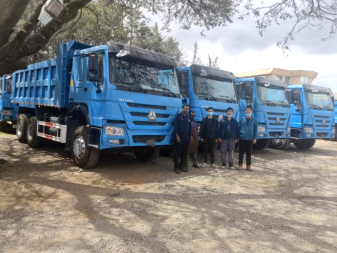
24	39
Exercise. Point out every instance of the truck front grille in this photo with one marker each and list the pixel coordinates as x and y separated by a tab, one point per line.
144	138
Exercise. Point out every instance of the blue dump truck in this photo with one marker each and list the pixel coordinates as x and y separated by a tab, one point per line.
8	111
203	87
335	106
270	107
94	98
312	116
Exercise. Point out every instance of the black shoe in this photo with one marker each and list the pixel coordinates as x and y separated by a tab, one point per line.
176	171
224	165
184	170
196	166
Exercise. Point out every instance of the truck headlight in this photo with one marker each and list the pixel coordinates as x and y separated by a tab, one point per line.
308	130
114	131
7	112
261	129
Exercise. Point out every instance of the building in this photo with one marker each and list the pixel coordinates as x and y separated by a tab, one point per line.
287	76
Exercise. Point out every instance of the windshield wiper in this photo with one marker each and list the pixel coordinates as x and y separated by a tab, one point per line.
167	89
317	106
269	101
208	95
231	99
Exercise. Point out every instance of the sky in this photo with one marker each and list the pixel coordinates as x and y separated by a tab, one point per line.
240	48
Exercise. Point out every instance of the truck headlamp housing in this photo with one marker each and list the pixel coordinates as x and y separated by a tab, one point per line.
261	129
7	112
114	131
308	130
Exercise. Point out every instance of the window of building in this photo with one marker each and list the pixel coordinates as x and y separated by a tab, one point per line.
304	80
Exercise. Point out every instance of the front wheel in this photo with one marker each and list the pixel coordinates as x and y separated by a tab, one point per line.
83	156
21	128
3	125
33	140
305	144
146	154
261	144
166	152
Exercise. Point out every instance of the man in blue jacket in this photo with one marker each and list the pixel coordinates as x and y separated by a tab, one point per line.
248	135
182	136
228	136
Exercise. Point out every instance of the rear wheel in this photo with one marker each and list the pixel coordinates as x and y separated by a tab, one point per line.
281	144
83	156
33	140
146	154
261	144
21	128
305	144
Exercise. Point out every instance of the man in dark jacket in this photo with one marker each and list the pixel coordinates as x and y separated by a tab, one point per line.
193	147
248	134
228	136
209	136
182	134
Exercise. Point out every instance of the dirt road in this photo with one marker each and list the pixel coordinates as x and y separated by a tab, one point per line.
288	204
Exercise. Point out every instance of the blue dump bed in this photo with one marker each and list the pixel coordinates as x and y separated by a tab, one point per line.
46	83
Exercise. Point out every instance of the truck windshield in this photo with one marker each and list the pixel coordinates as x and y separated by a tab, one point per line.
273	94
214	89
320	101
141	77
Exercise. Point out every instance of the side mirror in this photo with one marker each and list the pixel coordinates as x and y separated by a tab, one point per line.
93	75
182	84
248	91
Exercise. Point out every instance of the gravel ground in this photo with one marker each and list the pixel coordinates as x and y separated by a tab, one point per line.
287	204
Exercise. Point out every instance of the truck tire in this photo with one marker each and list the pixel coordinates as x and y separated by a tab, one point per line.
335	133
261	144
3	125
33	140
166	152
305	144
281	144
83	156
21	128
146	154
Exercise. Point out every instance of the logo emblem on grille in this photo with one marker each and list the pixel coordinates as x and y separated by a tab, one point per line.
152	116
278	120
323	122
220	117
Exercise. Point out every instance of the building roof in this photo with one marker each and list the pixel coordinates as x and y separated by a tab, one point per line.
277	71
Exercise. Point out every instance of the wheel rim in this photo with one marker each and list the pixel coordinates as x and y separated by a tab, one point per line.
30	132
79	147
276	142
19	129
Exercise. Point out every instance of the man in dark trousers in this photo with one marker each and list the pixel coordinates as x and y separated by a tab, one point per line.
193	148
228	136
209	136
182	134
248	134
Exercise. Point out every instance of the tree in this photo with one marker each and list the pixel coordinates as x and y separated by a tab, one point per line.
171	48
196	58
213	63
18	44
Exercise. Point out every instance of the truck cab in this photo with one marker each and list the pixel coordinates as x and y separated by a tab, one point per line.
94	98
8	111
270	107
312	114
204	87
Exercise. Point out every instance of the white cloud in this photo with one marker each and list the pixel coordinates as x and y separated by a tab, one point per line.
240	48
